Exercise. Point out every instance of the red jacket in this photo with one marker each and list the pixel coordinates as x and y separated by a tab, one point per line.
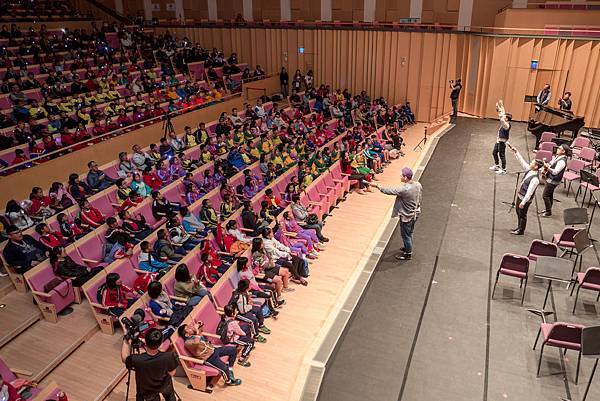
52	239
153	180
91	217
117	298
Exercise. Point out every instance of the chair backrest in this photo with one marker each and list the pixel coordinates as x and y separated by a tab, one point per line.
514	262
582	241
544	155
592	275
587	154
567	332
568	233
590	341
575	165
549	146
580	142
222	292
543	248
547	136
5	371
575	215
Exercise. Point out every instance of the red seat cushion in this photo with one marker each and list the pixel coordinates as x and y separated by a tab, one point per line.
513	273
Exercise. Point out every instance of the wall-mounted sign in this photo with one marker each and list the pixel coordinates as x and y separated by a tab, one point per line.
301	50
534	64
155	6
170	6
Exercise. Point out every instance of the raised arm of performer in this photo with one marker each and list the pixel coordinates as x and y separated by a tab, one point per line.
499	152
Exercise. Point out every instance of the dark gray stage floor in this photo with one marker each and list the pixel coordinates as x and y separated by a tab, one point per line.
427	329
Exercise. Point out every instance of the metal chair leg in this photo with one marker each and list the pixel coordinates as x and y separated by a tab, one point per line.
576	297
524	289
598	297
540	361
573	288
495	283
537	337
578	365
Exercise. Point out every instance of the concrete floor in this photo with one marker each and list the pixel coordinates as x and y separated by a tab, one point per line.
428	329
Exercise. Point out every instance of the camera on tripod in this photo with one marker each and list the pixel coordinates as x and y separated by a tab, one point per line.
135	325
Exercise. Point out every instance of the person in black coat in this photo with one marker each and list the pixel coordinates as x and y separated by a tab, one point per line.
22	252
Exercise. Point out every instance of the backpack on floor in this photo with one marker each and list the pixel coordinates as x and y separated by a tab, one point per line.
100	293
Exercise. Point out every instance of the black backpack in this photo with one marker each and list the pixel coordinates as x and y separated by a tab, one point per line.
100	293
222	330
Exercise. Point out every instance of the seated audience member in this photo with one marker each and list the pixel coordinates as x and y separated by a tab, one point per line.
180	237
152	179
61	198
248	311
64	267
251	221
208	215
147	260
264	290
97	179
17	216
242	335
22	252
187	287
90	216
162	207
138	185
200	347
135	225
306	234
69	229
165	249
40	204
116	296
282	255
306	219
48	238
78	190
191	223
208	272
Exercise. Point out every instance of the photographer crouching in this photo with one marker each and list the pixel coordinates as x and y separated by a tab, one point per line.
153	369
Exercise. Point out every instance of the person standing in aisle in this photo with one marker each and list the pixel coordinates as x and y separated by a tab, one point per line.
407	207
284	79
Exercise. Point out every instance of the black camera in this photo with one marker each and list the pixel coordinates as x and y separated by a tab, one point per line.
134	326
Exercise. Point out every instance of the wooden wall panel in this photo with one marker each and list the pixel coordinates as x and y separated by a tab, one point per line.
402	66
391	10
229	9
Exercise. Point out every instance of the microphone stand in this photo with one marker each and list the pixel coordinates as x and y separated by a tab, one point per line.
513	204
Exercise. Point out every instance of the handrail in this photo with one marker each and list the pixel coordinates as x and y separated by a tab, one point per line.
378	26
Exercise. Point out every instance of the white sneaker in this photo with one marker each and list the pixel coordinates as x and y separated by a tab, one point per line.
501	172
495	168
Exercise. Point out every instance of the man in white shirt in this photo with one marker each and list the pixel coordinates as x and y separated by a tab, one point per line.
553	172
526	191
543	98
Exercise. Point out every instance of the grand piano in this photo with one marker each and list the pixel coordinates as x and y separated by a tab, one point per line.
553	120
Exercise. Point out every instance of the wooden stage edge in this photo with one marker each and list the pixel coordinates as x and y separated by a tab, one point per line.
434	130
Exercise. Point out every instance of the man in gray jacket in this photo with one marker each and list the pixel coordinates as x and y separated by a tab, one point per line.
407	207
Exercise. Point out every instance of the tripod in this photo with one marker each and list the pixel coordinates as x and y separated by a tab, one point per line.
513	204
423	141
168	126
133	350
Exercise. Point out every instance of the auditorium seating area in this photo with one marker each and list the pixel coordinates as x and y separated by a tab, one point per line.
100	85
39	10
291	147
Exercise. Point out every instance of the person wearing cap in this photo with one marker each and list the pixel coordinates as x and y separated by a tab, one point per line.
407	207
527	188
554	171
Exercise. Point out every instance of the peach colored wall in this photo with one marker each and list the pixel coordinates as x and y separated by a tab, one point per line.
499	68
538	18
391	10
104	152
401	66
